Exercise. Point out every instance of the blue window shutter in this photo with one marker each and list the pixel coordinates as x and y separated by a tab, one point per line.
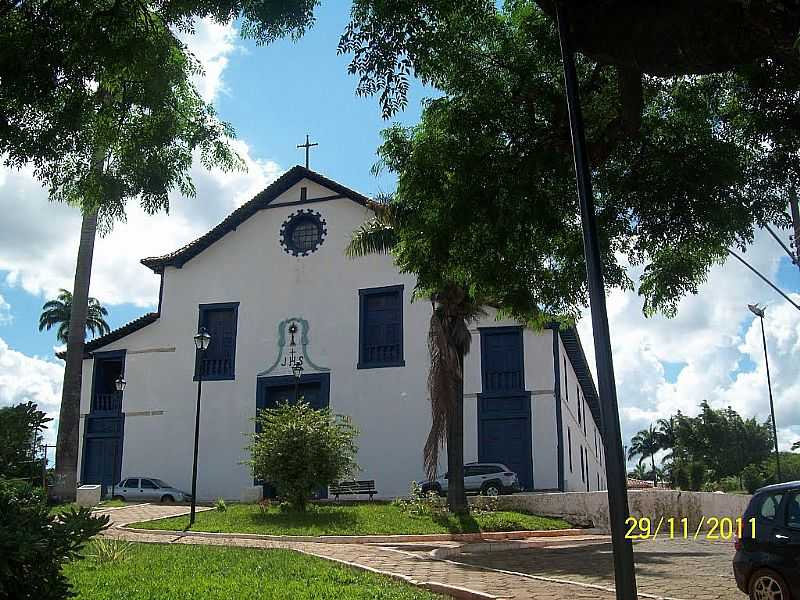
381	323
220	357
502	360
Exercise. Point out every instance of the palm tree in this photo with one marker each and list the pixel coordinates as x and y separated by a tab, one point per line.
449	341
667	434
639	472
59	311
796	446
643	444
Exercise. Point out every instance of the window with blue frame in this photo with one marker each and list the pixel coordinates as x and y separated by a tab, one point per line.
380	335
218	362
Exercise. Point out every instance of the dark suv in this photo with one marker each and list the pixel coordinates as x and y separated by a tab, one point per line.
767	564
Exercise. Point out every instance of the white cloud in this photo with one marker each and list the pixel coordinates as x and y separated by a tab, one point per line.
39	239
212	44
718	340
5	312
29	378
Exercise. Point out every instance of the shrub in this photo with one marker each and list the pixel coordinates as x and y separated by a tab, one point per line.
790	468
726	484
103	551
21	430
419	504
219	505
752	479
299	450
34	545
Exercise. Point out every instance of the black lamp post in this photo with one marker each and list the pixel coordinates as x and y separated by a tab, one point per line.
201	341
759	312
297	371
119	384
624	573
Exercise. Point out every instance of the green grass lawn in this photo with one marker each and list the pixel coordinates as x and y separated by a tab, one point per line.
368	518
57	509
155	572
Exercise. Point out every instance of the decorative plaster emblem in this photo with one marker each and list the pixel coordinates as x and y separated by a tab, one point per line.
302	216
283	359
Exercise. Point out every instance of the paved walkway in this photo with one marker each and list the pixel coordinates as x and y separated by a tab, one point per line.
563	568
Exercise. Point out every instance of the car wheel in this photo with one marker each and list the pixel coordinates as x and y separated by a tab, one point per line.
167	498
766	584
118	497
491	489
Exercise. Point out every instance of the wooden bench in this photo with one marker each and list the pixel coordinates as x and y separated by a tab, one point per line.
351	488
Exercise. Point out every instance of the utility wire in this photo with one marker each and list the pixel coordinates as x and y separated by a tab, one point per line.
780	241
767	281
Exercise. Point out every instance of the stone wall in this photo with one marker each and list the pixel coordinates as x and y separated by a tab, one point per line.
590	509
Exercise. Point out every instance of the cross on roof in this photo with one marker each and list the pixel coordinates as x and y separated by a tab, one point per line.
307	146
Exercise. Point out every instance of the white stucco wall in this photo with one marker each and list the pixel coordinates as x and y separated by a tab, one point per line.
570	397
388	405
591	508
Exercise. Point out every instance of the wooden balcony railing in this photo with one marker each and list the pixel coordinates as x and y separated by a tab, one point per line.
107	402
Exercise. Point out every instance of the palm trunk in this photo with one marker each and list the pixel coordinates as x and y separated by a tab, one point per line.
456	496
66	472
655	477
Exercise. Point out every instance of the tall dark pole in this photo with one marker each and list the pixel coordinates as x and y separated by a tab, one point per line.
624	573
794	205
771	405
196	436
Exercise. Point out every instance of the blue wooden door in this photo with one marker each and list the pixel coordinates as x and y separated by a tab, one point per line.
504	407
102	461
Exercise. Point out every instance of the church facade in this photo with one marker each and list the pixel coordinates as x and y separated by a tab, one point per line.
273	287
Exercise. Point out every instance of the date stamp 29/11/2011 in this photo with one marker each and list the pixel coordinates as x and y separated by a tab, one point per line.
708	528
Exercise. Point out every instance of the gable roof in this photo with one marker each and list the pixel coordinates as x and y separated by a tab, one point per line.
574	349
247	210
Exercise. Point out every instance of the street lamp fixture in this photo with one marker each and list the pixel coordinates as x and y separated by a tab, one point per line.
759	312
120	384
201	341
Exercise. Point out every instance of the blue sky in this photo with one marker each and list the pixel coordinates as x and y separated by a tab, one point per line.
273	96
288	89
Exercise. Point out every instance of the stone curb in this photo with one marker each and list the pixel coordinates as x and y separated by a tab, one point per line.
373	539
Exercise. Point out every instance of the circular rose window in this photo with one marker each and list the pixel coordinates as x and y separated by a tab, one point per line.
303	232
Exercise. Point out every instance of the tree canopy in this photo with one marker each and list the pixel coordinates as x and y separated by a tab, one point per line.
97	94
21	429
684	167
715	444
682	36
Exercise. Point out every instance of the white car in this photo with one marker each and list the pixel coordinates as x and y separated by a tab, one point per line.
148	489
489	479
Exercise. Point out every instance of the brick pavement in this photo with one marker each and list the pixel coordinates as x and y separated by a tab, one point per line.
582	571
673	568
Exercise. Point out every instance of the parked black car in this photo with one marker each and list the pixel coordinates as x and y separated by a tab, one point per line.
767	564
